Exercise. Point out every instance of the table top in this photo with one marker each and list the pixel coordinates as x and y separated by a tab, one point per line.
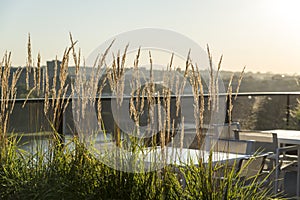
190	156
287	136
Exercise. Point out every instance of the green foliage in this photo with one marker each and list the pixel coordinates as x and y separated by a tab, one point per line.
74	172
296	111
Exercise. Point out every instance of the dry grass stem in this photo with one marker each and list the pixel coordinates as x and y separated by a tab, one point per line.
8	92
13	87
28	95
39	74
195	88
46	92
229	98
202	105
29	62
211	81
216	83
182	134
239	82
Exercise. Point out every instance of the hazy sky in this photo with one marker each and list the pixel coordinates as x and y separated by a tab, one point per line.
263	35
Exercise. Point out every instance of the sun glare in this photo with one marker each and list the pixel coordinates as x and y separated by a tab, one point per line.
284	10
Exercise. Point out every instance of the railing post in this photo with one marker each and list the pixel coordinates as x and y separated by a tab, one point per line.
60	130
60	123
227	109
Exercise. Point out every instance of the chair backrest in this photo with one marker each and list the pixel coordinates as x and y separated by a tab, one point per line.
252	166
232	146
225	131
264	141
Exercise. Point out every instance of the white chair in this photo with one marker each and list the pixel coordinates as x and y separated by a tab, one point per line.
226	130
285	163
232	146
265	142
247	170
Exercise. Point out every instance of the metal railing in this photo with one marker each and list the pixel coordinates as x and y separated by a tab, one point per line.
30	118
290	99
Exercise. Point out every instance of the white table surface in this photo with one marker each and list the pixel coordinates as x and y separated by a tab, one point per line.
287	136
189	156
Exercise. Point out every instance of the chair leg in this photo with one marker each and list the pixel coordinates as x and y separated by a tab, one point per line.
277	171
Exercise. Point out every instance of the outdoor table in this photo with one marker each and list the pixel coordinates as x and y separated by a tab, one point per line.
287	136
290	137
186	156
